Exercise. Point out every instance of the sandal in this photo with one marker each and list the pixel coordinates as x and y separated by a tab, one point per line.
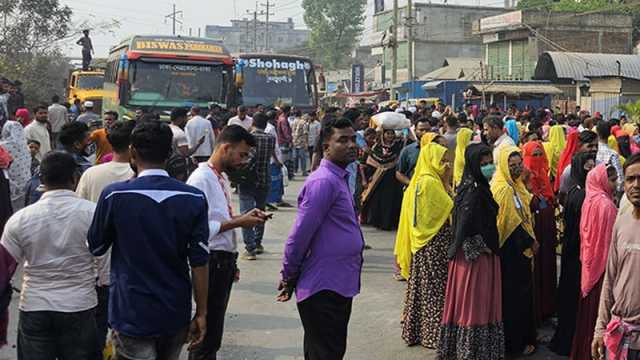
529	350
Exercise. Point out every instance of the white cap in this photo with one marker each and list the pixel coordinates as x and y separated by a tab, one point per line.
436	114
88	104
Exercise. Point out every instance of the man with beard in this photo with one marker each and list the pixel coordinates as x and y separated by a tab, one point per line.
231	153
38	131
74	138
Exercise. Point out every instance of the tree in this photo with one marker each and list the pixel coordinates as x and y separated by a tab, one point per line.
336	26
581	6
632	110
30	32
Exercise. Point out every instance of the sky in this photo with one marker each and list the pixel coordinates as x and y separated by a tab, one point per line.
115	20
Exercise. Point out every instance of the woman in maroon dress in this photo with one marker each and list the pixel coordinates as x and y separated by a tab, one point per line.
472	325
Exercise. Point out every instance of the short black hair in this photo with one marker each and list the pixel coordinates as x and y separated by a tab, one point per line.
493	121
587	137
285	108
260	120
242	108
149	117
352	114
423	119
119	135
72	133
55	98
178	113
452	121
604	129
152	141
58	169
112	113
614	121
631	160
31	141
369	131
333	123
235	134
38	107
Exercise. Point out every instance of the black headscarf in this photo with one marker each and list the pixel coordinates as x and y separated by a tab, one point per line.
475	211
573	205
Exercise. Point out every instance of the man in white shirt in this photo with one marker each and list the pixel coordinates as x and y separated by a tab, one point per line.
196	128
231	153
494	131
180	144
242	119
37	130
58	297
57	117
91	184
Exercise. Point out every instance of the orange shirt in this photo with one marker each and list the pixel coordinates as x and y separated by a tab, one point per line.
99	137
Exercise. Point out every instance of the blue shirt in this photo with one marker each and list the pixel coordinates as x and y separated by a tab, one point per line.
157	227
408	159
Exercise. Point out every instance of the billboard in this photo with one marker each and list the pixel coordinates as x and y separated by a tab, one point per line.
501	21
357	78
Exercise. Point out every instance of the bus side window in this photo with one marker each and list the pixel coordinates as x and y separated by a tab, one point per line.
73	81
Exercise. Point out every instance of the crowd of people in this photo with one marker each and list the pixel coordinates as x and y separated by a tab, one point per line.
483	201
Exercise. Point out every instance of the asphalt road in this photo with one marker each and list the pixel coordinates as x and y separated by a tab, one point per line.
257	327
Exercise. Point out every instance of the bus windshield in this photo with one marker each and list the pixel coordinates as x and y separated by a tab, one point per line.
273	81
176	84
90	81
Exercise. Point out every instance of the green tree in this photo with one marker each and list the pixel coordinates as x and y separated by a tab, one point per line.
335	28
30	34
632	110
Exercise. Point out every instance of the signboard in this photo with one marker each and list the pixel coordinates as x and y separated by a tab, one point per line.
357	78
187	46
378	6
490	38
276	71
501	21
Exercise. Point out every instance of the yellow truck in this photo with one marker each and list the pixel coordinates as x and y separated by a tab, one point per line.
86	86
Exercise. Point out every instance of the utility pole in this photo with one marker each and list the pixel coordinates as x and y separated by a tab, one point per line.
409	32
174	18
394	50
255	14
266	25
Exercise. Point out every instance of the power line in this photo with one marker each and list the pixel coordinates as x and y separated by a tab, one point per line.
174	17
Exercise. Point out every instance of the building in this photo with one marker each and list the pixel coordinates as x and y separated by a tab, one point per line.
440	31
514	41
574	73
457	69
609	92
248	35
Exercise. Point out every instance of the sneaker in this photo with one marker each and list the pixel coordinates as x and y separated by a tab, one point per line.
271	207
249	256
259	249
285	204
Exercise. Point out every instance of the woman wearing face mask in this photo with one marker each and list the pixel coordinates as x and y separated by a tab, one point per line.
472	318
596	226
422	243
569	285
543	210
382	198
517	247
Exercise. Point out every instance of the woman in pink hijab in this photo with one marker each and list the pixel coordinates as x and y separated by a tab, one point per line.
596	226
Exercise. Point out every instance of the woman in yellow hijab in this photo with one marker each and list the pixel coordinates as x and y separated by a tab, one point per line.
517	244
421	247
462	141
554	147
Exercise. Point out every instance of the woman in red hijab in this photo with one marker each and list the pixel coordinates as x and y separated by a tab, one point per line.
565	157
23	117
543	210
596	227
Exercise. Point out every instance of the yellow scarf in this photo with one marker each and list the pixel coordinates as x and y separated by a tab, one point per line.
426	205
554	147
507	194
462	141
613	144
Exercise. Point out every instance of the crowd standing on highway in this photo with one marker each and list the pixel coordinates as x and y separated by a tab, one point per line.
483	202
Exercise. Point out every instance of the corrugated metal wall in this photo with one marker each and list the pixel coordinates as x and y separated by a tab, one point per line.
605	103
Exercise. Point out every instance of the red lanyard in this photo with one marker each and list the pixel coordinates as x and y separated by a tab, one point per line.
223	184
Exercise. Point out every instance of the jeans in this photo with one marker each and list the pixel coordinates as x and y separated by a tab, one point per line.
102	316
300	160
276	189
149	348
287	159
222	272
47	335
251	198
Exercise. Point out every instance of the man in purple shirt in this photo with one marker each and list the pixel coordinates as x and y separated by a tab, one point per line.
323	254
